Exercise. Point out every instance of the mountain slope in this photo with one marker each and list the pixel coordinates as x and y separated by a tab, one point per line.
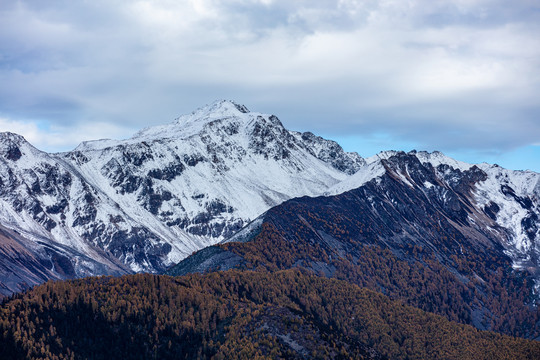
418	227
209	173
234	315
510	199
39	201
145	203
25	263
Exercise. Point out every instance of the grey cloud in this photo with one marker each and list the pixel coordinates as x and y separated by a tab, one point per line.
481	13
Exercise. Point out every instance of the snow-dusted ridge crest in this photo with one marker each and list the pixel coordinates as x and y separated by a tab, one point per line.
182	127
146	202
374	168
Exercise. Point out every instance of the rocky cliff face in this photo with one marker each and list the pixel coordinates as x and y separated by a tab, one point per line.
144	203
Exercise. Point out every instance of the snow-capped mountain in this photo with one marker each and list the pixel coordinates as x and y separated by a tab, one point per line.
144	203
505	203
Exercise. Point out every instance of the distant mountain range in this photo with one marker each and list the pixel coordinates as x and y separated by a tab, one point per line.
458	239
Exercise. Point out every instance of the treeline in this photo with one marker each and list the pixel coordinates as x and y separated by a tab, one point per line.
234	315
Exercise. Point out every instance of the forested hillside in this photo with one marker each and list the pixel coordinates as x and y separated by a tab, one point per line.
233	315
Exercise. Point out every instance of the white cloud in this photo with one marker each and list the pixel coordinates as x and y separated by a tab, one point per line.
61	138
27	129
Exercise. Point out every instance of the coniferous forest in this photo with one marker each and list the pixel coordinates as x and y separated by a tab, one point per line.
234	315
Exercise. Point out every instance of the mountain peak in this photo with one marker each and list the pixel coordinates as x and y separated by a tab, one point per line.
221	108
435	158
12	146
10	137
190	124
383	155
183	126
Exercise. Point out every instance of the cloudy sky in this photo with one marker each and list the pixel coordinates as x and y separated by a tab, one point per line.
458	76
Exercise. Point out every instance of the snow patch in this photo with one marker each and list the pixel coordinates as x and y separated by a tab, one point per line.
437	158
365	174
